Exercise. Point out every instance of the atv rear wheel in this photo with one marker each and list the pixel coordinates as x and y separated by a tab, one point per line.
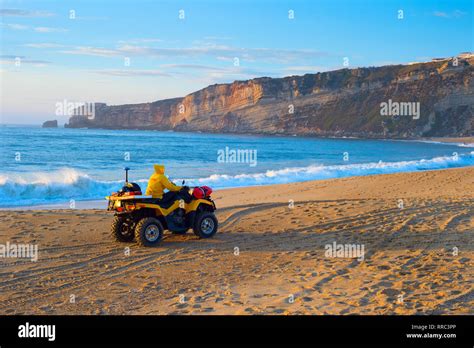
148	232
205	225
121	230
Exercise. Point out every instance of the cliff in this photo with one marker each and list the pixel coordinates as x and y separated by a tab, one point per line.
344	102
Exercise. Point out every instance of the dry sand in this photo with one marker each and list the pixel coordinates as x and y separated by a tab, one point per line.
280	267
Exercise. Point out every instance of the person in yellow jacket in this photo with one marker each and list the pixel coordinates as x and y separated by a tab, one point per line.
159	182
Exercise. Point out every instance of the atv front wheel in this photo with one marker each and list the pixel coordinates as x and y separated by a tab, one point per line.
121	230
205	225
148	232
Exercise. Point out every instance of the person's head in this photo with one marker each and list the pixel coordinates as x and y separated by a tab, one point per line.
159	169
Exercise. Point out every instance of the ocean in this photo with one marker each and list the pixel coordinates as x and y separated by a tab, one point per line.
41	166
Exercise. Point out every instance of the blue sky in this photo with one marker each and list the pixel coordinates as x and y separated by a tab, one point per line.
86	58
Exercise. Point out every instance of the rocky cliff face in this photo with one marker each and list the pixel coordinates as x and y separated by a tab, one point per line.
344	102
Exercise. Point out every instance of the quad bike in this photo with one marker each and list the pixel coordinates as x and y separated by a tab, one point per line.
144	218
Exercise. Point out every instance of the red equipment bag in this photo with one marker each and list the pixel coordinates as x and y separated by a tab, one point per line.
202	192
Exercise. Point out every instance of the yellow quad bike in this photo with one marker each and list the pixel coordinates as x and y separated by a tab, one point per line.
144	218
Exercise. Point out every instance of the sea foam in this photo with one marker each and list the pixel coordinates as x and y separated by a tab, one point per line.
70	184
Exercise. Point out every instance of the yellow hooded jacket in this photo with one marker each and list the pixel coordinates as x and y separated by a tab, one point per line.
158	182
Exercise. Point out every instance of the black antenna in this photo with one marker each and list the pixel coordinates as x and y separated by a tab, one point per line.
126	174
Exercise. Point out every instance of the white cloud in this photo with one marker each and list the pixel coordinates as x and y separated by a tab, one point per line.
305	69
453	14
193	71
219	52
192	66
43	45
92	51
15	26
49	30
12	60
126	72
15	12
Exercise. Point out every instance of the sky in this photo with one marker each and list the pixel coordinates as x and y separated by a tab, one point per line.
122	52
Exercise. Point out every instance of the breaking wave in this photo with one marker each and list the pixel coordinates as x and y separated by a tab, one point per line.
59	186
321	172
66	184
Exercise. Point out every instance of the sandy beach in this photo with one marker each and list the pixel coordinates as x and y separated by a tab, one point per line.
460	140
269	256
